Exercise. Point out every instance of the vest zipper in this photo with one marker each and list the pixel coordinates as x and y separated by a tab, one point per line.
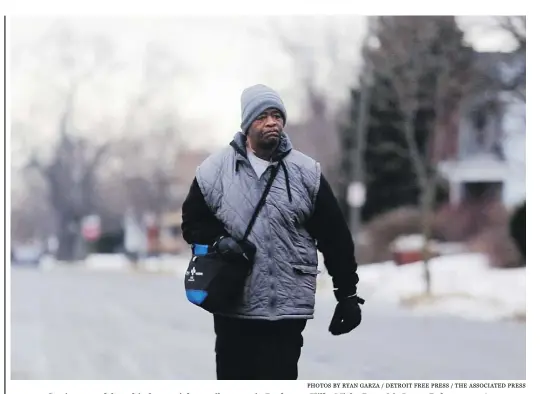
272	282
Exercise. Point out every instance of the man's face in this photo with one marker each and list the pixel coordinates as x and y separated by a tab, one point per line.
266	129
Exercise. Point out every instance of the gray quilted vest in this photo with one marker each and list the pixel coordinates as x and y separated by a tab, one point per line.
283	281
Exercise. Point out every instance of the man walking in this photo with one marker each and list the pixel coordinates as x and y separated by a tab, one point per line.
261	337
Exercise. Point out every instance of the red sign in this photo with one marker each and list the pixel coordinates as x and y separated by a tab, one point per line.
91	227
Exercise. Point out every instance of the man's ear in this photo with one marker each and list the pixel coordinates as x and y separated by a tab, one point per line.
249	132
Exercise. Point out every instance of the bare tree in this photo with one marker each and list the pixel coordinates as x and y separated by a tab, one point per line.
152	137
31	217
516	27
71	179
142	169
85	174
70	171
508	72
319	50
321	71
514	74
425	70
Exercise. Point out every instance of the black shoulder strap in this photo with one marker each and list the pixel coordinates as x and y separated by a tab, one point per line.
274	172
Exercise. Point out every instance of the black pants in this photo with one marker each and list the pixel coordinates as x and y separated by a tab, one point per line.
258	349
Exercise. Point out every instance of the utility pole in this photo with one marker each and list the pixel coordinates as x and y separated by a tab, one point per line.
356	189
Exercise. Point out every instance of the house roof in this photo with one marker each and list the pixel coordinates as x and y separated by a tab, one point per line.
502	66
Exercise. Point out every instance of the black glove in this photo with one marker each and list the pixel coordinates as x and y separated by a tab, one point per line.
347	315
235	251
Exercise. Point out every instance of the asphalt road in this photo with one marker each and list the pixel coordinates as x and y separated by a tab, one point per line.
80	324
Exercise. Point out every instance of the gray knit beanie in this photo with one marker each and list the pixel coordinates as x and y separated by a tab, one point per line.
256	99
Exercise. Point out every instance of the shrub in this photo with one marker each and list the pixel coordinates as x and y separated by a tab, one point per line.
384	229
499	246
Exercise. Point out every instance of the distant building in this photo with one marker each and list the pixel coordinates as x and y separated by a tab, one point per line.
477	152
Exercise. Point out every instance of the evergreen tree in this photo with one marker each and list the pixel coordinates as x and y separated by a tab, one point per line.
390	178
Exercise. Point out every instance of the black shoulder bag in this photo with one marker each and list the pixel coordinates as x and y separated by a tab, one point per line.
215	282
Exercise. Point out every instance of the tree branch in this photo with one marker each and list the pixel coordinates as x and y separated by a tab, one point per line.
516	27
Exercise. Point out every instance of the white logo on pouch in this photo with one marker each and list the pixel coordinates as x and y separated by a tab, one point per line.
191	273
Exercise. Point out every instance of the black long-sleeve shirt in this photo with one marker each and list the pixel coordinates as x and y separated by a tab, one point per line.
327	225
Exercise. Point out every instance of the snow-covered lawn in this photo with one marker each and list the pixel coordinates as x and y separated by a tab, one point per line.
462	284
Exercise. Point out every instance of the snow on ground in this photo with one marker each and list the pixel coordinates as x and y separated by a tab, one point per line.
462	284
107	262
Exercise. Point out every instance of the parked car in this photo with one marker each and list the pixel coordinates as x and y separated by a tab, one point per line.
28	254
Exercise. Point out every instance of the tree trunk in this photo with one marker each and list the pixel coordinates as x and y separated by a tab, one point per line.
427	201
67	241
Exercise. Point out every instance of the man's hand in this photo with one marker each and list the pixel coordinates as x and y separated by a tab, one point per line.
235	251
347	315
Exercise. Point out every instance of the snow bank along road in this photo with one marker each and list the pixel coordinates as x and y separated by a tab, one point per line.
80	324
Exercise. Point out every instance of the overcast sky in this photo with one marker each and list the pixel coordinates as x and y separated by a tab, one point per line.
218	56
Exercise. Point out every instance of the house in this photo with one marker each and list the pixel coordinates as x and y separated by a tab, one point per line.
479	153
